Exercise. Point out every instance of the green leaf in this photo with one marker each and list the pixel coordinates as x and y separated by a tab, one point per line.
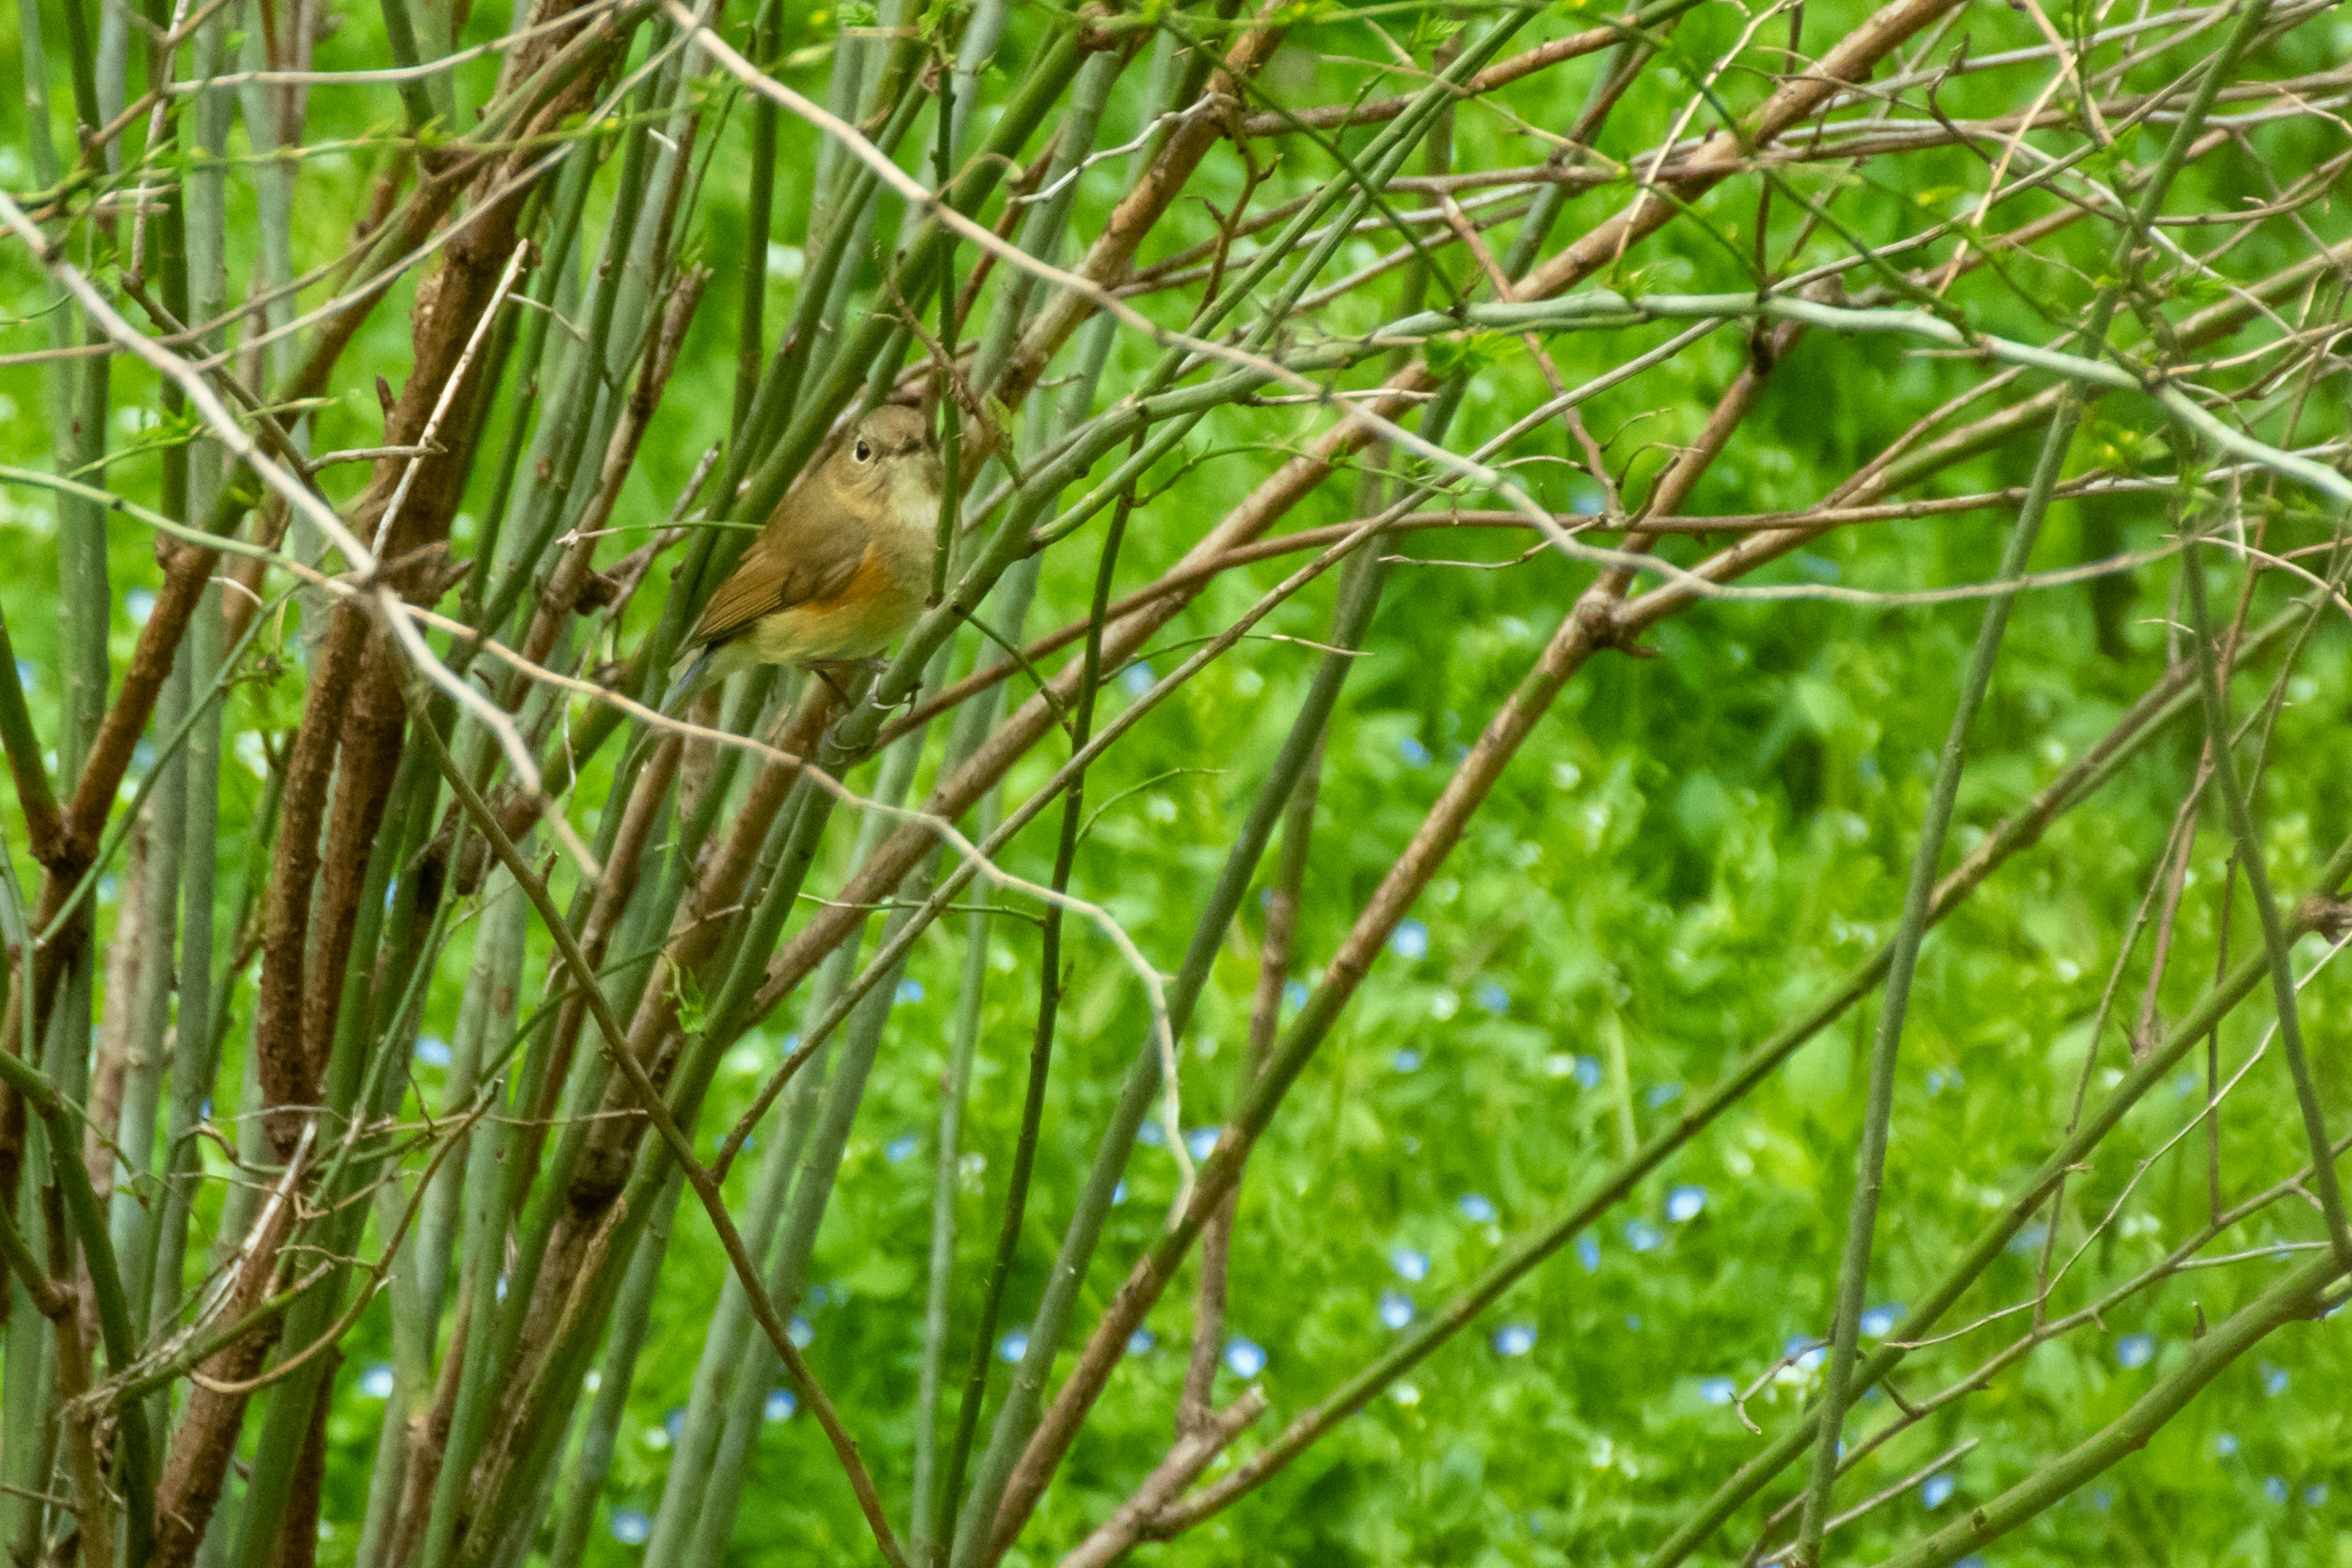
1465	353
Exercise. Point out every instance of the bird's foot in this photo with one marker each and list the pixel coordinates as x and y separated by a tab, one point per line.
824	670
841	673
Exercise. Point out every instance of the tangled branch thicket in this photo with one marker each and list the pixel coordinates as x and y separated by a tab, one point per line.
427	1062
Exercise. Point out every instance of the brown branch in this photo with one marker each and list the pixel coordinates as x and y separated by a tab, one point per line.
1184	1461
1278	493
1109	258
205	1441
296	1544
1381	111
287	1080
647	1096
125	955
561	595
1464	792
602	1169
1193	1411
639	817
1851	60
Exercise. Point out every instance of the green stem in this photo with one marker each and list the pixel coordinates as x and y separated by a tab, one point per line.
2291	1299
955	1093
132	1203
2277	945
759	218
1017	1417
632	1317
950	417
1862	1219
959	1525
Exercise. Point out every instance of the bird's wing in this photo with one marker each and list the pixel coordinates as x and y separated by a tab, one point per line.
808	551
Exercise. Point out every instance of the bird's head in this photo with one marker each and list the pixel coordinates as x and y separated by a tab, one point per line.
888	455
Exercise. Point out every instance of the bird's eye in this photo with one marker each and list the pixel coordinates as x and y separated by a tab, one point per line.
864	453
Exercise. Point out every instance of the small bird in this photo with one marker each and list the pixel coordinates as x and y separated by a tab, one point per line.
841	567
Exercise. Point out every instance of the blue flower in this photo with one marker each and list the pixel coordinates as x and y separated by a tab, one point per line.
1406	1059
2101	1498
1244	1357
1587	1252
800	1330
1118	1194
1476	1207
1684	1203
1663	1094
1413	1265
1937	1489
432	1052
2275	1378
1882	1320
1588	1072
910	989
1137	679
1414	753
1492	997
1718	1390
1515	1339
2029	1239
675	1423
2225	1445
2314	1494
1140	1342
1409	941
630	1528
1014	1345
901	1148
1293	992
1396	1310
1203	1142
2134	1351
375	1383
2274	1488
1152	1135
1642	1235
1970	1561
781	1405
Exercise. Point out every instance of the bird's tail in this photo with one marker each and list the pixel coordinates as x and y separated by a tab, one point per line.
691	680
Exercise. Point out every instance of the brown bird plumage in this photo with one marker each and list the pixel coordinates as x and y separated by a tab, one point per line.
841	566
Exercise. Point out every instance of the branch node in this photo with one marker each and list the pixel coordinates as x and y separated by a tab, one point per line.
1604	625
